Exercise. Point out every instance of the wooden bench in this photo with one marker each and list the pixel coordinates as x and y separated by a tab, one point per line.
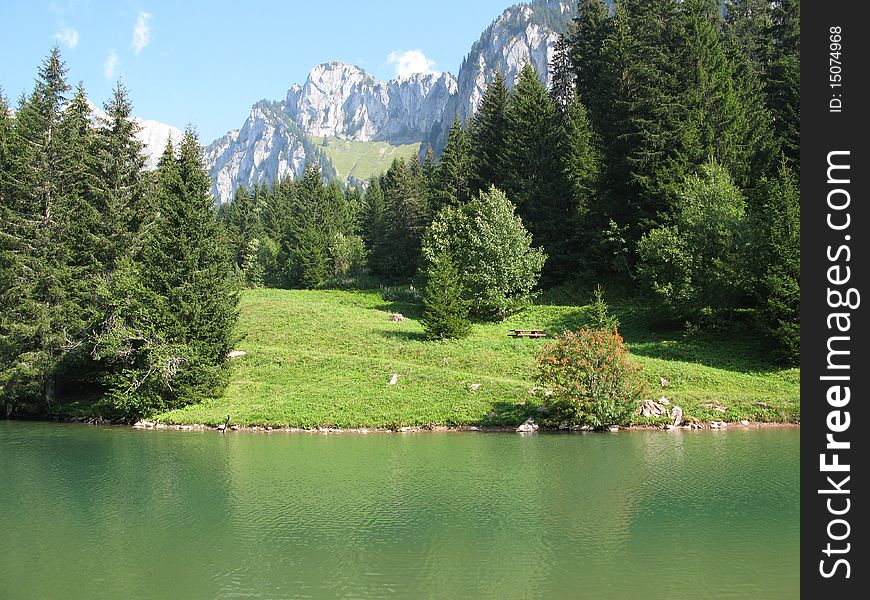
528	333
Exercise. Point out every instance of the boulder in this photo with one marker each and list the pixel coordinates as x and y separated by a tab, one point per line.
651	408
664	382
397	317
236	354
677	415
393	380
528	427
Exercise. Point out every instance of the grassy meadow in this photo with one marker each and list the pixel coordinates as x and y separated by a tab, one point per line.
362	159
325	358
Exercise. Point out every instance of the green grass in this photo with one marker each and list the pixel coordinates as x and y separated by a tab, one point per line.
324	358
362	159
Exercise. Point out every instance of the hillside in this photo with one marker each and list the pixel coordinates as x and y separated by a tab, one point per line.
355	160
324	358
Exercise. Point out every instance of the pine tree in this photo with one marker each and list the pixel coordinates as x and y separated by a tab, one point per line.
407	217
375	228
783	80
122	195
562	76
186	308
586	37
487	143
712	119
453	174
245	232
445	311
304	244
776	252
536	179
33	327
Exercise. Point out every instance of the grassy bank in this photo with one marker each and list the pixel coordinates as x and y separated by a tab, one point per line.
324	358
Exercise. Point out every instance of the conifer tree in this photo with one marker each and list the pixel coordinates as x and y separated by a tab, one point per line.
445	311
186	306
375	234
562	75
712	120
33	327
586	37
453	174
487	143
783	80
407	217
776	252
536	178
122	195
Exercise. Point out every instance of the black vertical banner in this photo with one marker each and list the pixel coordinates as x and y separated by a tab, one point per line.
835	369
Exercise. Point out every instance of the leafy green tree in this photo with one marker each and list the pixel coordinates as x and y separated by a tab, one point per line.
694	266
492	250
445	310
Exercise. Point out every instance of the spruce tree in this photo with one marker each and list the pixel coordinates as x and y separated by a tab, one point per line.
445	311
34	331
375	233
783	78
562	75
586	37
122	194
453	174
536	179
407	217
172	306
776	254
487	142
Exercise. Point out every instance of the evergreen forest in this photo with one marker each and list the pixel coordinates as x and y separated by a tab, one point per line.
663	161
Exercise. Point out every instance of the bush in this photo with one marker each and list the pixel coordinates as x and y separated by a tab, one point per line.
694	267
492	251
589	379
445	312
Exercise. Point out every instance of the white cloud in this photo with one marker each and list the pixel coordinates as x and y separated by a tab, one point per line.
68	36
141	32
111	64
409	62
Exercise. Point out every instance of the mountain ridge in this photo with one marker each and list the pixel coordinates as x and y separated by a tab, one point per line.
340	100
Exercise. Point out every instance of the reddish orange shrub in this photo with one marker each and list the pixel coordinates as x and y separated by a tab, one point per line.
590	379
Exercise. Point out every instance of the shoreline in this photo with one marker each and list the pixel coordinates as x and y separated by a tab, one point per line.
155	426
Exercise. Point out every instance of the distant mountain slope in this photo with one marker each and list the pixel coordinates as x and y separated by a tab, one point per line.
357	161
343	102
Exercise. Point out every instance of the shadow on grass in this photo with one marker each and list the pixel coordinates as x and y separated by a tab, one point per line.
510	414
737	347
405	336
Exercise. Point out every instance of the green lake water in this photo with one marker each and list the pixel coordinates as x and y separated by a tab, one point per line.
90	512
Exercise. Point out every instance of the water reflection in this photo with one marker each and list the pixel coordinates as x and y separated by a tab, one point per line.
121	513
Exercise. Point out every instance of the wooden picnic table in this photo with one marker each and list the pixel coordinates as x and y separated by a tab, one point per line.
529	333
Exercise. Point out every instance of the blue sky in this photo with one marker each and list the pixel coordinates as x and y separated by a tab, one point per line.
206	63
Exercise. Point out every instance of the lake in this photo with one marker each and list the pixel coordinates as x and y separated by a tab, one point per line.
112	512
